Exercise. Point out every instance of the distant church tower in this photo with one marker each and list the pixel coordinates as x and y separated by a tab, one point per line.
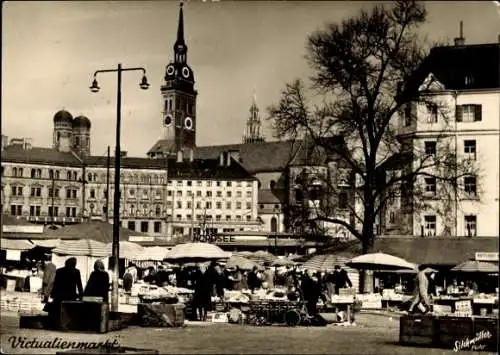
81	136
253	130
63	131
179	99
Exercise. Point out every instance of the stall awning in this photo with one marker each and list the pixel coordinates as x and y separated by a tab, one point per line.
87	247
436	251
16	244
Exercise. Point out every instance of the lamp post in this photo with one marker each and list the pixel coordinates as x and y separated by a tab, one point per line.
116	206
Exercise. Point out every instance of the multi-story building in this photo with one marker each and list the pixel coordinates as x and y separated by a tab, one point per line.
463	81
274	164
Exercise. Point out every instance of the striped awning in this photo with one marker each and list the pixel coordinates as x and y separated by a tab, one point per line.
152	254
128	250
47	243
16	244
87	247
196	251
325	262
476	266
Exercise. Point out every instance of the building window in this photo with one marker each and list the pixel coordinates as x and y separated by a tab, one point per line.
432	113
198	193
238	205
238	193
228	218
36	173
178	193
178	217
407	114
208	183
238	218
169	193
471	225
198	183
54	193
144	226
68	175
70	211
470	148
189	217
55	212
430	147
198	205
218	205
189	183
189	204
228	193
274	225
179	183
36	191
35	210
16	210
17	191
343	200
131	193
430	185
199	217
470	186
208	204
131	225
228	205
179	204
218	217
92	193
430	226
218	183
249	193
248	217
219	193
248	205
228	184
468	113
145	194
51	174
209	193
157	211
249	184
157	227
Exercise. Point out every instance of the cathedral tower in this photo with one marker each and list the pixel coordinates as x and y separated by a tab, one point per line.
179	98
254	126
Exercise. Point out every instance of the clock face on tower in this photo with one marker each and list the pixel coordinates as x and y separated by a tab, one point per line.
168	120
170	69
185	72
188	123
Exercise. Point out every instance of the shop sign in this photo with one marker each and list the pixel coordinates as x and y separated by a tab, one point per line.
140	238
13	255
22	229
484	256
219	239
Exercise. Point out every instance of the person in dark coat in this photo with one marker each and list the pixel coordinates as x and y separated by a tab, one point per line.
341	279
67	283
202	293
253	280
49	274
98	284
311	292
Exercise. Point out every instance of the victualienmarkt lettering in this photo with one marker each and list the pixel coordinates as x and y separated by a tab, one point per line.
58	343
214	239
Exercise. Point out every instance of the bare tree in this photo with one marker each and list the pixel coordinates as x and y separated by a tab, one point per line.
364	85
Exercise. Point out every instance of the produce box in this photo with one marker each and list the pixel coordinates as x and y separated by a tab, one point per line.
417	330
161	314
84	316
452	329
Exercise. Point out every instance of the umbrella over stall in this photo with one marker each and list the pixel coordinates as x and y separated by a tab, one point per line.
380	261
324	262
196	251
241	262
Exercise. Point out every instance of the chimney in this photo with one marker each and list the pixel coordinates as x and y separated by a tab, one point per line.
179	156
236	155
460	41
221	159
228	161
5	141
191	155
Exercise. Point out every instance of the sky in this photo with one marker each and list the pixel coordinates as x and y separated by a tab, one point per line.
50	51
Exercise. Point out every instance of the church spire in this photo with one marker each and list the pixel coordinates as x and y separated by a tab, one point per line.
180	48
252	133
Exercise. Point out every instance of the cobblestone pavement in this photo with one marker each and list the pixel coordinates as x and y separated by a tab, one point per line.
373	334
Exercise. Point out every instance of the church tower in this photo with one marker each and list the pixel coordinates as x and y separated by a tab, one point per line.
179	99
253	130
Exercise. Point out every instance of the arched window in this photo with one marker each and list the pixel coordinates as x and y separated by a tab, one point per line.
57	174
51	174
75	176
14	171
33	172
89	177
274	225
68	175
158	210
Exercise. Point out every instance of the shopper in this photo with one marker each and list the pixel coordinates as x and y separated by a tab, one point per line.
49	273
253	279
98	284
67	283
341	279
420	293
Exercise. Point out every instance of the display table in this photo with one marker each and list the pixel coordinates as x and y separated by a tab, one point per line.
450	332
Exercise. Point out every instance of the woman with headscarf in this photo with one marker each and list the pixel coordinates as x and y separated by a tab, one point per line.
98	284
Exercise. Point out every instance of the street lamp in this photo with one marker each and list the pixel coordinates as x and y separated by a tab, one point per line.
116	207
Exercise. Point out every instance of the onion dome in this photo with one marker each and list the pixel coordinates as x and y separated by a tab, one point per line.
82	122
63	116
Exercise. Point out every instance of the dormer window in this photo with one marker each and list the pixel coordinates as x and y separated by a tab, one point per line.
469	80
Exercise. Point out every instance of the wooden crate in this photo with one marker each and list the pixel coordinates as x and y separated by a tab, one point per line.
84	316
451	329
417	330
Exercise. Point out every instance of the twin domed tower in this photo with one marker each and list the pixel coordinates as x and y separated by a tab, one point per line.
71	134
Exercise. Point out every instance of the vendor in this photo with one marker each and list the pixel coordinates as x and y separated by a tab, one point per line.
420	292
49	273
98	284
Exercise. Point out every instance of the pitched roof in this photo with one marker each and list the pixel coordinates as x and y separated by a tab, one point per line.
267	196
97	230
126	162
39	155
207	169
451	65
